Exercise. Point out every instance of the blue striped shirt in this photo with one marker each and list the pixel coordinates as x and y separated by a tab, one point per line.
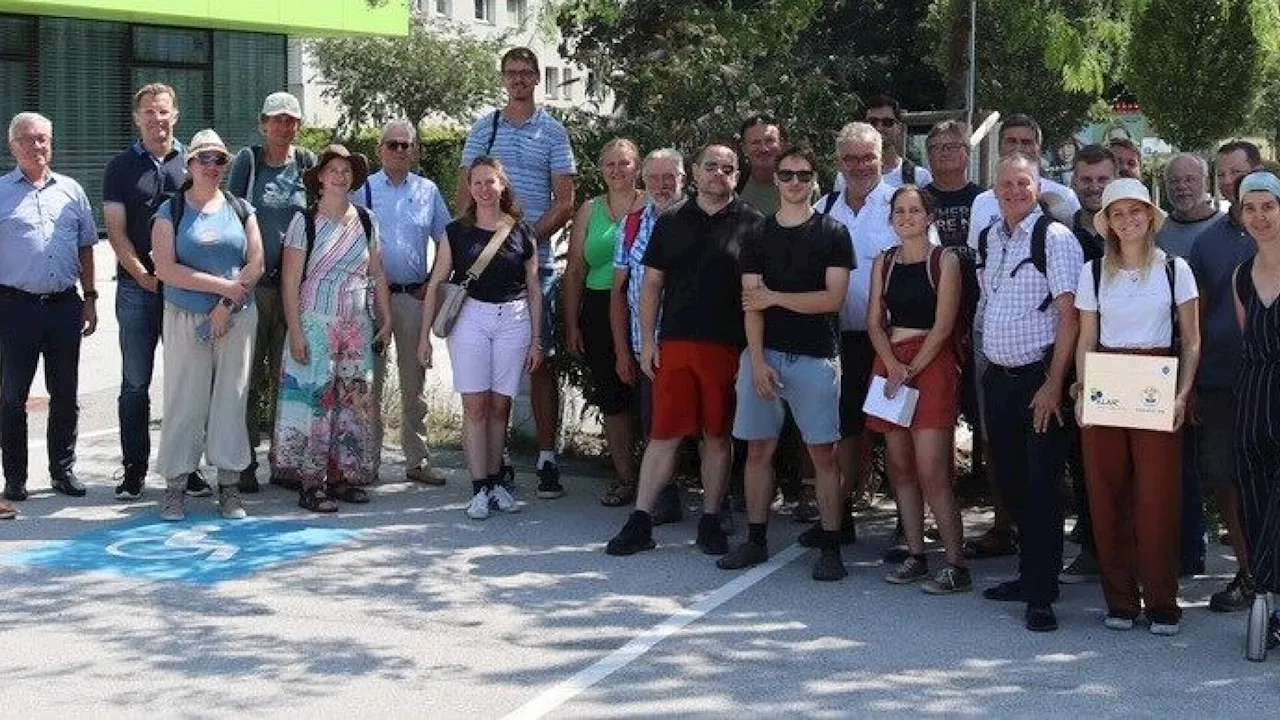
533	152
631	259
41	232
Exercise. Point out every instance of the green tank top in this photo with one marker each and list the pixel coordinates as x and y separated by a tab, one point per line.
597	249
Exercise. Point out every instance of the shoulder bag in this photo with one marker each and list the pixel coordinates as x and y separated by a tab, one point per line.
452	295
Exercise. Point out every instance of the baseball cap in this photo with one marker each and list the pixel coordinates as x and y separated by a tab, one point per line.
282	103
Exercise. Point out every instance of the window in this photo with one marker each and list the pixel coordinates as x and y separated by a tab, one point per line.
517	11
553	83
566	85
484	10
444	8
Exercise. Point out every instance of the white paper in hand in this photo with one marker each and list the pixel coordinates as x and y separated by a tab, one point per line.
899	409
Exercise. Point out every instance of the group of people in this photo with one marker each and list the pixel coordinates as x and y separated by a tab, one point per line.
726	315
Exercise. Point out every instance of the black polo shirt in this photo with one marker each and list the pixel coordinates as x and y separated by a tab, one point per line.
702	280
137	181
1092	244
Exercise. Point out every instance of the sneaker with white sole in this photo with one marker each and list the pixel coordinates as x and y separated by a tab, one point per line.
229	503
1118	622
1163	625
174	495
478	509
502	499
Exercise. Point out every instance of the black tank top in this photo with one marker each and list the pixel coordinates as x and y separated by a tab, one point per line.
911	300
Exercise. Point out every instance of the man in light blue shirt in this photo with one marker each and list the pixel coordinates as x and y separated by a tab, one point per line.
410	213
47	235
534	149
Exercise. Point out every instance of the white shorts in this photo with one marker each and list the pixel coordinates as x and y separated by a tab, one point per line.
489	346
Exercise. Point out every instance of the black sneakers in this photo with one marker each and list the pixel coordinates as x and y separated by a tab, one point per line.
130	486
549	487
248	482
746	555
830	566
1040	618
635	536
812	537
1236	596
196	485
711	536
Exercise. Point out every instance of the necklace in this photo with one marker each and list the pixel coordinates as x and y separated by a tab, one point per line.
616	216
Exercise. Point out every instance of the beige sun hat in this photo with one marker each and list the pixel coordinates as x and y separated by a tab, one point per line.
1126	189
204	141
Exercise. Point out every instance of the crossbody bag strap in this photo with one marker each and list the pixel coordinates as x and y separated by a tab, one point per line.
499	236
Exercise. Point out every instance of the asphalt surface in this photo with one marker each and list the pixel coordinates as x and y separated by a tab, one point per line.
404	608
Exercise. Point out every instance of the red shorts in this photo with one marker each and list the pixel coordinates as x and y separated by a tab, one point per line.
693	389
939	386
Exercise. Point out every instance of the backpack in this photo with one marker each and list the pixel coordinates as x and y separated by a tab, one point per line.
829	202
302	156
1170	271
178	208
309	218
962	332
1038	259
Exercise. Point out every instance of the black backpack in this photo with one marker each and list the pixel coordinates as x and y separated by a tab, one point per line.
1170	271
1038	259
309	222
178	208
962	333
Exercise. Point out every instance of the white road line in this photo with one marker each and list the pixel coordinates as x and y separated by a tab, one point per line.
641	644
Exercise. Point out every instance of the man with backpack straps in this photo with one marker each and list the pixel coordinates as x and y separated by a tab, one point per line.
1029	345
884	113
269	177
411	216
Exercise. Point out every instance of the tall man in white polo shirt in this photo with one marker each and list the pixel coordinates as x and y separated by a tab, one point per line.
863	208
411	213
1029	326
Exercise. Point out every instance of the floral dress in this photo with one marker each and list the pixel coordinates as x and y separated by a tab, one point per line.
326	413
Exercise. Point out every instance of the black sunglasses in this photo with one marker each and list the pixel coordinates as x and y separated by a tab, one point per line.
397	145
211	157
787	176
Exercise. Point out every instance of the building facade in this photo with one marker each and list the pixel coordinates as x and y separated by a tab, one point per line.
79	63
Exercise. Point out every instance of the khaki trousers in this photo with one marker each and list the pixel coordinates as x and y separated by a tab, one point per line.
406	329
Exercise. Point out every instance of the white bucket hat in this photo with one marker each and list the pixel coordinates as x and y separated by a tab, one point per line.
204	141
1126	189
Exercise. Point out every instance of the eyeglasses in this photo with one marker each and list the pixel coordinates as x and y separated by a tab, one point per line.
397	145
947	147
211	157
859	159
882	122
520	74
787	176
713	167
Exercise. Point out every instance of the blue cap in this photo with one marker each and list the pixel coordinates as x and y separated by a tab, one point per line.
1260	180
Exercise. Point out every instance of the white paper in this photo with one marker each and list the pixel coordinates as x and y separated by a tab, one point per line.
899	409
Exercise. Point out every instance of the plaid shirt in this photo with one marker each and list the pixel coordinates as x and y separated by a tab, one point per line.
1014	331
632	260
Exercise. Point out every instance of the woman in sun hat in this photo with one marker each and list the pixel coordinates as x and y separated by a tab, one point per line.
337	309
1136	300
208	253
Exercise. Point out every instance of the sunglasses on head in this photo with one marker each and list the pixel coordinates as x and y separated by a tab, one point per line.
397	145
787	176
211	157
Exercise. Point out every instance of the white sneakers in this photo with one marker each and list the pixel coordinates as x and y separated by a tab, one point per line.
174	495
499	498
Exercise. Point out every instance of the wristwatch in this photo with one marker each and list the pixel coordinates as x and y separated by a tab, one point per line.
226	301
90	294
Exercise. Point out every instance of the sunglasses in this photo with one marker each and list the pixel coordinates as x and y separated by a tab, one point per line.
882	122
714	167
787	176
211	157
397	145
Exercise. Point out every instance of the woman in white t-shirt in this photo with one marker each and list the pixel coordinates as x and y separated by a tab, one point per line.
1127	304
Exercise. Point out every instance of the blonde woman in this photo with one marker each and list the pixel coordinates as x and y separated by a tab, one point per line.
1132	301
588	281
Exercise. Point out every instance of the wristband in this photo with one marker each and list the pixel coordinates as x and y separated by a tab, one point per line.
91	294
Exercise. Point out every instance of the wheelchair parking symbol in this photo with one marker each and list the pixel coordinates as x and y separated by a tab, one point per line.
191	543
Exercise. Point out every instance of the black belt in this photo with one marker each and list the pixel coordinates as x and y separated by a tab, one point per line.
42	298
409	289
1020	369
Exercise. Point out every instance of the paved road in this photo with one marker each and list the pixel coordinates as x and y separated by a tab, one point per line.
405	608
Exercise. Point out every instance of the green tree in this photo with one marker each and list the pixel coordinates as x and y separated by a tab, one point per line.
446	71
1265	116
1195	68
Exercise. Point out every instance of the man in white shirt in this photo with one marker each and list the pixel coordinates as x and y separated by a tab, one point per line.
1021	134
863	208
411	213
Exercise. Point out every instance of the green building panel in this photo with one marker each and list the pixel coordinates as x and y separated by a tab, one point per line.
289	17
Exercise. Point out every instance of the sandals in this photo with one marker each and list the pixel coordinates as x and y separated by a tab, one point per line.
315	500
990	544
7	512
619	494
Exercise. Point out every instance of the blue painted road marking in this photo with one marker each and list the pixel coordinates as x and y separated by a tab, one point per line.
200	550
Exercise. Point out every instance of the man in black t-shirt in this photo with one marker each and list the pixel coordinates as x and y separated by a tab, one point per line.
952	191
692	272
795	272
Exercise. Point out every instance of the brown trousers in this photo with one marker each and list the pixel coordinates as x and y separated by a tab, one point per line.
1134	478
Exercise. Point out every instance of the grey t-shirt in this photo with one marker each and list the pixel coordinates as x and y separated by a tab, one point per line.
1177	237
277	194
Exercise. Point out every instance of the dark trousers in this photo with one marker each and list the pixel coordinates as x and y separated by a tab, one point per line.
1076	476
139	314
1028	470
31	329
1192	523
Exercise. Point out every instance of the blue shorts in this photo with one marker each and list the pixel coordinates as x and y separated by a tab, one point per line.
549	277
810	386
